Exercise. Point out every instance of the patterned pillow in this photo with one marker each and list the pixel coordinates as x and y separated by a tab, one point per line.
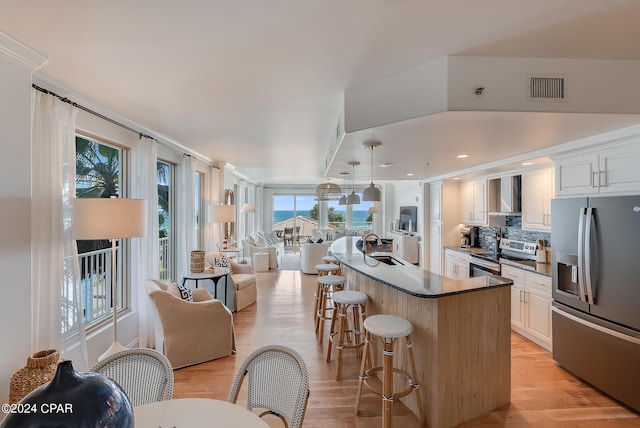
271	237
181	291
223	261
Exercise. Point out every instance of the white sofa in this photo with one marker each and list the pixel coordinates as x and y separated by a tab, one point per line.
311	255
263	242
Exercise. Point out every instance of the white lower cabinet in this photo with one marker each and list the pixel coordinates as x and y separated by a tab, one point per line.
456	264
530	305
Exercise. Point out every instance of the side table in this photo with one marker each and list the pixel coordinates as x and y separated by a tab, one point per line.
260	262
212	276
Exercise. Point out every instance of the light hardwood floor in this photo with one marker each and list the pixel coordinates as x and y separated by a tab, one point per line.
543	394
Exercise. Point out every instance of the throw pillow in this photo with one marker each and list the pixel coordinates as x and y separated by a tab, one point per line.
251	240
181	291
272	238
260	241
223	261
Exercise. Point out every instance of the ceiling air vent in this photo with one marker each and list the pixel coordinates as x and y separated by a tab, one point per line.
547	89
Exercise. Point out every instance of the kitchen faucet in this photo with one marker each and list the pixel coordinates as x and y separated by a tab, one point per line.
378	241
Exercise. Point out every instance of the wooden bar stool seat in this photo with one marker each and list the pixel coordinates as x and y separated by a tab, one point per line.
330	259
322	269
326	285
343	300
389	328
334	261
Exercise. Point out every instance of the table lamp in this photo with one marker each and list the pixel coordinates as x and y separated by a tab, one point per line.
113	219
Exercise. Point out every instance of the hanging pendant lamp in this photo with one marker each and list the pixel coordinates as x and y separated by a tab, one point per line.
328	192
353	199
343	198
372	193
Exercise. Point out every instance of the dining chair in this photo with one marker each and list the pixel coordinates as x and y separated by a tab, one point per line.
288	236
278	383
144	374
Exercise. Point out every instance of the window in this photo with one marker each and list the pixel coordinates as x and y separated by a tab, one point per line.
294	217
166	219
356	217
99	174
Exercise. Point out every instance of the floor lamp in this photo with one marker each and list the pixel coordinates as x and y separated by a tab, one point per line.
223	214
113	219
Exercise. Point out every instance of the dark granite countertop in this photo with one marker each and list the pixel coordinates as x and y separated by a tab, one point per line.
409	278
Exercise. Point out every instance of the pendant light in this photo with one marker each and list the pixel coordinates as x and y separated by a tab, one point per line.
353	199
328	192
343	198
372	193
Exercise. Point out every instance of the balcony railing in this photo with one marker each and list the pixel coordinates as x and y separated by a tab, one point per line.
166	262
95	274
361	226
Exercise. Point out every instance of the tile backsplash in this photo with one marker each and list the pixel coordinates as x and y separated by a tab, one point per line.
511	230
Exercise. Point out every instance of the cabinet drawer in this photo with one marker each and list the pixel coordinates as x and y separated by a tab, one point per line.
517	275
540	282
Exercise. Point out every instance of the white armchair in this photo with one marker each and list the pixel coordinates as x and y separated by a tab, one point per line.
311	255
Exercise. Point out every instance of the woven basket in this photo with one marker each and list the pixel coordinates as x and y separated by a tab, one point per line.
40	369
197	261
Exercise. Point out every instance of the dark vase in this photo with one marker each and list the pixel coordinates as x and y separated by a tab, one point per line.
73	399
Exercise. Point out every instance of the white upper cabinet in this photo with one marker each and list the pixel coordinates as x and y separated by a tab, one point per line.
473	202
537	192
609	170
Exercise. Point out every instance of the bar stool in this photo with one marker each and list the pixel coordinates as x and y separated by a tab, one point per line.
323	269
388	328
332	260
343	301
328	284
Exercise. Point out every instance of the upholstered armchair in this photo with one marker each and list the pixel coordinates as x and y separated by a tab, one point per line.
191	332
244	282
311	255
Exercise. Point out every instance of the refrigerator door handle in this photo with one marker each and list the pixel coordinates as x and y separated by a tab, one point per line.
581	261
587	255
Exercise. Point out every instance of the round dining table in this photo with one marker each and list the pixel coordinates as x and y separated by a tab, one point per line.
195	413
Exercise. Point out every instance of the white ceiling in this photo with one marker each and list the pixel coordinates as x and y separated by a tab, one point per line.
260	84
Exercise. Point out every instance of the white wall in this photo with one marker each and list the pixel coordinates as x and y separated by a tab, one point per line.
15	215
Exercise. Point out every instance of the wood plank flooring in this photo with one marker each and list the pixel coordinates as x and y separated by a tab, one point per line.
543	394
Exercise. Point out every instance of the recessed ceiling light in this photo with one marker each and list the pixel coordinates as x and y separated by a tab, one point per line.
526	163
410	174
462	156
385	165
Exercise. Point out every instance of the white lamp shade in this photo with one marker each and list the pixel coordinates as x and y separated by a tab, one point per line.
373	210
223	213
249	208
109	218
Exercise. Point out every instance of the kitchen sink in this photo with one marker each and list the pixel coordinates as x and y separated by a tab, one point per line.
387	260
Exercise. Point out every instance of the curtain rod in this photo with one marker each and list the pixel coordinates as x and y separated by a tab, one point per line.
101	116
93	112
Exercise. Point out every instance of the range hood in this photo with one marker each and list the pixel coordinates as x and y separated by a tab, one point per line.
505	196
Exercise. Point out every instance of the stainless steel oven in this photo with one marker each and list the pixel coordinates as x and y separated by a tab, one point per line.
482	267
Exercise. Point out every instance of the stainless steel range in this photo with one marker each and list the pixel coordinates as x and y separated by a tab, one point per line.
513	251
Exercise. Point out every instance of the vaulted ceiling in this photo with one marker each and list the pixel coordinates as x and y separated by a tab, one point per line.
261	84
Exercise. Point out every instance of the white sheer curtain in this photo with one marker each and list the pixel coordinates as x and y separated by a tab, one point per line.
56	285
186	214
145	254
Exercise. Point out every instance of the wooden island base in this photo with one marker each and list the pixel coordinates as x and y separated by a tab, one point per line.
462	347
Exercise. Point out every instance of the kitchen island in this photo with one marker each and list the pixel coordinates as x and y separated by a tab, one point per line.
461	332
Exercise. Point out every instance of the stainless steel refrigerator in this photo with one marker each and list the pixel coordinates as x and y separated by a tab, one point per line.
596	292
